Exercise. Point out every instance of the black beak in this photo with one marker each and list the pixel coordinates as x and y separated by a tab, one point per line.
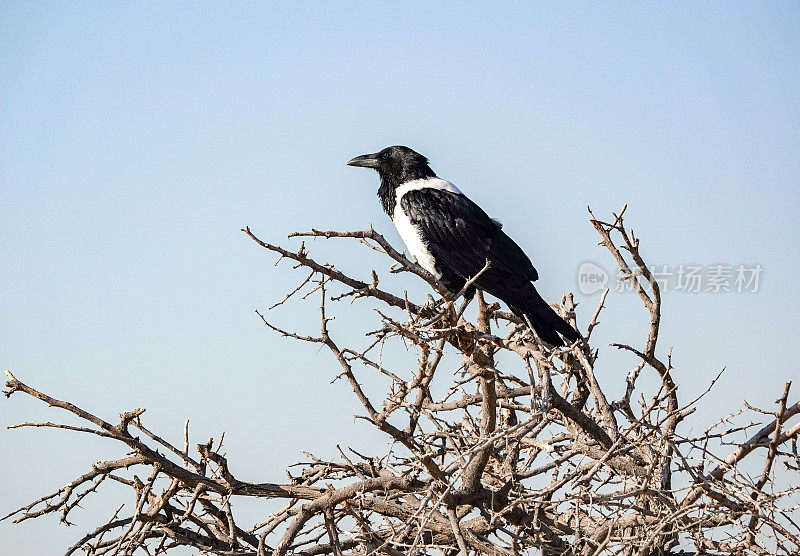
365	161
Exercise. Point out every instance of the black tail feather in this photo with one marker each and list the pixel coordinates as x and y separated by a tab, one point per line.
547	324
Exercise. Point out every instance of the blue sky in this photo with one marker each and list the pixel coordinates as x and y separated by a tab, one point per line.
136	139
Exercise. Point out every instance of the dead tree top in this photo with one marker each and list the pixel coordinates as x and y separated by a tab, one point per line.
523	451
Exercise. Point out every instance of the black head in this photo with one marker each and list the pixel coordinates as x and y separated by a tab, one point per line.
396	165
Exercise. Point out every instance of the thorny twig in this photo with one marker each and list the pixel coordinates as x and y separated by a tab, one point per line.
497	445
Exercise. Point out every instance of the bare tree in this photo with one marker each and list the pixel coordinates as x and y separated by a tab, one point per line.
523	450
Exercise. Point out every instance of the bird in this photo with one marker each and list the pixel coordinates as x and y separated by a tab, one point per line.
451	237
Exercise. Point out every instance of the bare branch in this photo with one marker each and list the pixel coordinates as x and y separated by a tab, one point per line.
496	444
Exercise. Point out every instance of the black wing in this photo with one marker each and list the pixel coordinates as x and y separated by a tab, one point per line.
461	236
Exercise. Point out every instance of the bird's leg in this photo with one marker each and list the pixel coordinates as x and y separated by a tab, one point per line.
438	303
435	306
431	305
452	287
447	302
439	314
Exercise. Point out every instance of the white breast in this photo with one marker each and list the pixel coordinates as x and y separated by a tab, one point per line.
408	231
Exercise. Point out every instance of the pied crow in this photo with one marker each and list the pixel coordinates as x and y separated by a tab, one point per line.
451	237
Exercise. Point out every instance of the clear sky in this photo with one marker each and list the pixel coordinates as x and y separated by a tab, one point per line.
136	139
